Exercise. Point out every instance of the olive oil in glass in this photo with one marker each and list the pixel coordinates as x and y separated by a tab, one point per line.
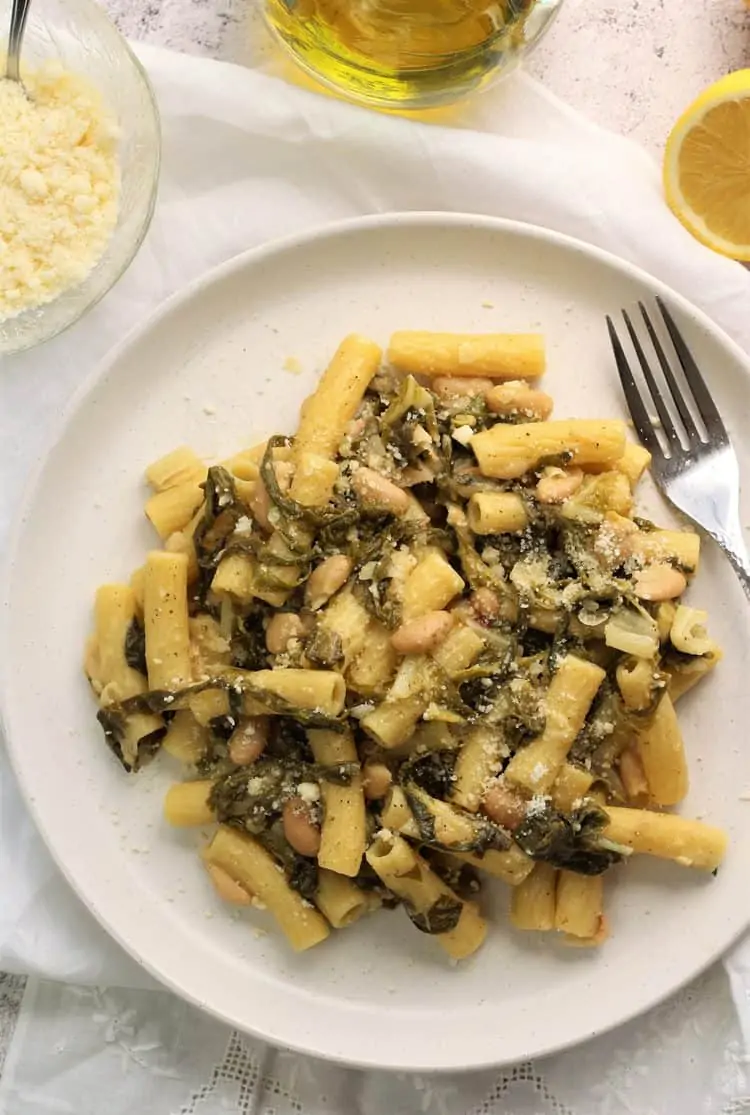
408	53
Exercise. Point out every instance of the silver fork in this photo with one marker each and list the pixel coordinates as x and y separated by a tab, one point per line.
699	475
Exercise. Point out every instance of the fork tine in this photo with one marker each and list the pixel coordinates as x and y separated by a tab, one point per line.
664	416
679	399
706	406
641	421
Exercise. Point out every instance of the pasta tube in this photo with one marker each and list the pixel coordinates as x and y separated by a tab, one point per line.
578	904
663	756
347	618
459	650
394	720
209	705
340	900
683	547
321	691
478	760
497	513
181	466
342	838
114	611
508	451
186	804
633	463
633	776
572	784
512	866
314	479
186	739
532	903
237	576
397	816
493	355
243	466
249	864
573	687
430	586
409	877
372	671
171	509
685	674
115	680
165	615
327	412
687	842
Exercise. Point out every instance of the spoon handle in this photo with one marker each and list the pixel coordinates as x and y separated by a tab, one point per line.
18	14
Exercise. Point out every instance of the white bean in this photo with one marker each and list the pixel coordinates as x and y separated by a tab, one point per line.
247	742
660	581
516	398
455	387
299	828
486	604
503	806
327	579
226	887
422	634
376	781
282	628
378	492
558	484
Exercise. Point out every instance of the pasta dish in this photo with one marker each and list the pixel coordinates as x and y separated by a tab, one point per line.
425	641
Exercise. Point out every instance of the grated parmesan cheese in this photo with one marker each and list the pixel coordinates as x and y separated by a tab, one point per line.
463	435
59	185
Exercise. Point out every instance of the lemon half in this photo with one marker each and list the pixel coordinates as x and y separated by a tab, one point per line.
707	167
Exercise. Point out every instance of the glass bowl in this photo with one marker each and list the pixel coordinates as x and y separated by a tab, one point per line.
408	54
83	39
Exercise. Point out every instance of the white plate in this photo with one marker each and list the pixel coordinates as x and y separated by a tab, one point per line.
208	370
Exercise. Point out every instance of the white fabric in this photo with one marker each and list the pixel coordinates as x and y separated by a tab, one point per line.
247	158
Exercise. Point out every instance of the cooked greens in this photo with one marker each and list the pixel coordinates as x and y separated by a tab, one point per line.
441	917
572	841
389	670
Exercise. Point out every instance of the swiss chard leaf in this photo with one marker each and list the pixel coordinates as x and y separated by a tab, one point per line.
336	514
483	833
301	872
572	841
432	772
442	916
325	647
249	651
251	798
135	646
114	726
220	515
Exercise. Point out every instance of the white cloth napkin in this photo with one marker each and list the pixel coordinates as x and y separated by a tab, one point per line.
248	158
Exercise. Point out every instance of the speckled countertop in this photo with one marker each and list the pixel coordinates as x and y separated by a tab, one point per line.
631	65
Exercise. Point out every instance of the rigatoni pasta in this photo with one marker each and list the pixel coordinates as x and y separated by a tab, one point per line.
493	355
421	646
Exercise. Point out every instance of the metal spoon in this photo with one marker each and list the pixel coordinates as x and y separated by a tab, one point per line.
18	14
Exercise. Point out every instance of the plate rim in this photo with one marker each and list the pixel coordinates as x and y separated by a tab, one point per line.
250	258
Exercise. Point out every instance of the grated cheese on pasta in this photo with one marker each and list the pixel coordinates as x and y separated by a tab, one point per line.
59	186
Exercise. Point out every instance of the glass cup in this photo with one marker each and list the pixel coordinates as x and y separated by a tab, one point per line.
408	54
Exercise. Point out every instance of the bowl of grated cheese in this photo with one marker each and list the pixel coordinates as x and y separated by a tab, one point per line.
79	165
